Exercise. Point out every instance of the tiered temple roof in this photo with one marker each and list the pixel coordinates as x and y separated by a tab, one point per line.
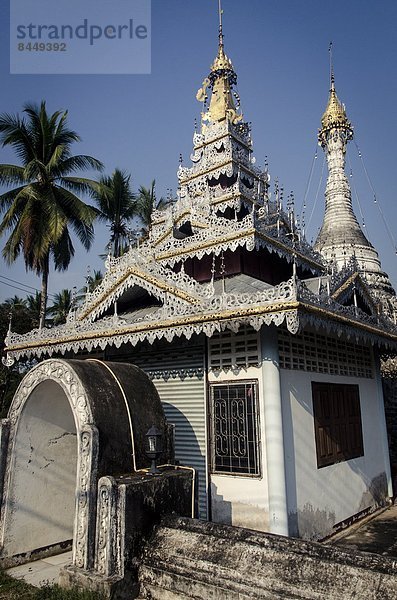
223	255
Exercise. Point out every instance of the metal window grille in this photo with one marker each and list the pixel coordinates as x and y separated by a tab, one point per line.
311	351
234	428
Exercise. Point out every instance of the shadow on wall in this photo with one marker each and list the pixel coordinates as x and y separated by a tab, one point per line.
377	492
221	510
188	453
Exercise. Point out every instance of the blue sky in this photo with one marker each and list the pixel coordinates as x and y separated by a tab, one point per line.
279	48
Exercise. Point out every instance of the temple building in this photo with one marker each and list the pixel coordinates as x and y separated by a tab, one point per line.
264	349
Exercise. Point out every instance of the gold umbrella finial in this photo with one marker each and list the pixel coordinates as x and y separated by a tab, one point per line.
334	116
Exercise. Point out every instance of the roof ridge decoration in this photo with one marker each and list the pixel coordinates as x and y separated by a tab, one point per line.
290	302
216	313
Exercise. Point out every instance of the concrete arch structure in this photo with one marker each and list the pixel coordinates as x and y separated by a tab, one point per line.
70	423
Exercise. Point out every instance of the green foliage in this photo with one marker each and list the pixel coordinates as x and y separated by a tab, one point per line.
61	306
94	280
43	201
146	204
23	320
54	592
14	589
116	203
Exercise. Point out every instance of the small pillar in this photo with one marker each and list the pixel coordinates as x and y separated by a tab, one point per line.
4	435
383	426
278	514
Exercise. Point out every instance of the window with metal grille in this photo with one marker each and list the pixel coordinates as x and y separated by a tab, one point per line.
337	422
235	427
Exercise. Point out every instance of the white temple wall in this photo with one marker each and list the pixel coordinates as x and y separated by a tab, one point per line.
242	500
319	498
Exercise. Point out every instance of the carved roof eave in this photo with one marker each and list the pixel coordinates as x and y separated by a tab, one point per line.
228	311
250	237
184	325
125	272
142	268
229	166
346	289
218	131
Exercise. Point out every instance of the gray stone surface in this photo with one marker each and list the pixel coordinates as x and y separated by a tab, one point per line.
122	396
128	509
71	422
192	559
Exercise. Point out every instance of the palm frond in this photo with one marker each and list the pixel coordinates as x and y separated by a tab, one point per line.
11	174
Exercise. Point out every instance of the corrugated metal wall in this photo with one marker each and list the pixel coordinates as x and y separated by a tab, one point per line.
178	374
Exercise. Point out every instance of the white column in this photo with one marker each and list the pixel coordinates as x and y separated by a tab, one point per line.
278	514
383	427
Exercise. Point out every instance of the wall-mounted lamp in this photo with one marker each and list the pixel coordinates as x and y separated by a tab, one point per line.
154	448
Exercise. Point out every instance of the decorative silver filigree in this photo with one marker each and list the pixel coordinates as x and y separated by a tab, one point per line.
109	545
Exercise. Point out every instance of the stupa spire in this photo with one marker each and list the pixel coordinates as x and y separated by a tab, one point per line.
221	80
341	237
340	227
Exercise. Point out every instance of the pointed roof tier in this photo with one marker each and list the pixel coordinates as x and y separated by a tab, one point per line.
223	199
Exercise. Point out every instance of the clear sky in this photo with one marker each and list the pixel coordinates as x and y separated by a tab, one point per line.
279	49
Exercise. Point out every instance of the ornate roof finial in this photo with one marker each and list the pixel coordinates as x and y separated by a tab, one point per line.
331	69
221	80
220	11
334	116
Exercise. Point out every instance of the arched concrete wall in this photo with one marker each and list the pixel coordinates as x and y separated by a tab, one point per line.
43	473
109	407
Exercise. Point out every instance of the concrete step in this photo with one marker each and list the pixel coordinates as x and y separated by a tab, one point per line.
43	571
193	559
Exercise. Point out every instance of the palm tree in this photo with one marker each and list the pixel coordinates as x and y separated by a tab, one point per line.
116	203
42	206
15	302
60	309
34	307
146	204
94	280
17	310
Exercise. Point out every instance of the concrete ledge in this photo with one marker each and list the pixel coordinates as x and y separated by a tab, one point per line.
192	559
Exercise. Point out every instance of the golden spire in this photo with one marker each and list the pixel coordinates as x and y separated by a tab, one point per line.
334	116
221	80
221	61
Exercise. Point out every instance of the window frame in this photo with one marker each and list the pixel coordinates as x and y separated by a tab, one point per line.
255	470
338	434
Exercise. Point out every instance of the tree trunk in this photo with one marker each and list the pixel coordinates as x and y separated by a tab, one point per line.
44	288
